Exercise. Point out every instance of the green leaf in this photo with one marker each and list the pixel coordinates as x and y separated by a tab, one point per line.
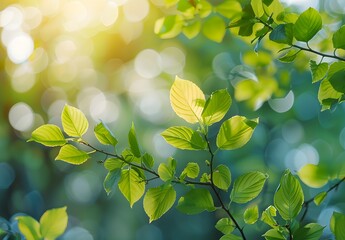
110	180
311	231
49	135
184	138
251	214
283	33
74	122
338	38
327	95
274	234
104	135
53	223
129	156
29	227
169	26
230	237
214	28
307	25
268	216
159	200
148	160
337	225
289	197
133	142
131	185
229	8
196	201
245	23
204	7
318	199
191	170
235	132
112	164
205	177
257	7
337	80
318	71
166	171
191	29
225	225
247	187
187	100
216	107
70	154
186	8
314	175
221	177
169	3
289	56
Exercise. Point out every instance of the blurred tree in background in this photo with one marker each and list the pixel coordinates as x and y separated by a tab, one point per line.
105	58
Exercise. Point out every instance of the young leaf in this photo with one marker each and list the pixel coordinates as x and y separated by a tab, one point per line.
196	201
257	7
104	135
112	164
230	237
191	170
283	33
307	25
187	100
131	185
147	160
133	142
169	26
311	231
338	38
70	154
274	234
221	177
49	135
159	200
129	156
192	29
268	216
318	199
235	132
29	227
313	175
229	8
214	28
216	107
184	138
74	121
337	225
225	225
289	56
289	197
53	223
166	171
327	95
251	214
110	180
318	71
247	187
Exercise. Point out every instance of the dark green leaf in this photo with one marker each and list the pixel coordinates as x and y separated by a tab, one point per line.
327	95
148	160
337	225
307	25
110	180
283	33
104	135
184	138
289	56
337	80
196	201
311	231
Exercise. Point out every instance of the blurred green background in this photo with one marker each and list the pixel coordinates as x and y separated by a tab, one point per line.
104	58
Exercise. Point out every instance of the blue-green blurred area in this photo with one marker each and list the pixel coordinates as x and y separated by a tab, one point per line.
104	58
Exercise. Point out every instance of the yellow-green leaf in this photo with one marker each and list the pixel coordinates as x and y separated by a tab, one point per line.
338	38
70	154
53	223
192	29
104	135
274	234
268	216
187	100
112	164
257	7
318	71
49	135
221	177
131	185
337	225
169	26
307	25
313	175
196	201
225	225
251	214
74	121
184	138
214	28
229	8
191	170
318	199
166	171
29	227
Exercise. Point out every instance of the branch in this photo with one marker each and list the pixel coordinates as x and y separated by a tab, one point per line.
306	203
318	53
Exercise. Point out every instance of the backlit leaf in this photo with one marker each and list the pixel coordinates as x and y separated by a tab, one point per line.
159	200
235	132
49	135
268	216
314	175
289	56
104	135
184	138
204	7
225	225
257	7
327	95
318	199
229	8
187	100
221	177
53	223
148	160
214	28
74	121
251	214
196	201
311	231
133	142
166	171
191	170
337	225
169	26
230	237
318	71
307	25
289	196
247	187
112	164
70	154
131	185
192	29
29	227
338	38
274	234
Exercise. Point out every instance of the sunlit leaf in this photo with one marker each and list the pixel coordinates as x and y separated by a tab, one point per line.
230	237
214	28
251	214
70	154
338	38
225	225
184	138
170	3
191	170
53	223
196	201
289	56
307	25
187	100
112	164
169	26
186	8
274	234
327	95
235	132
133	142
268	216
148	160
313	175
229	8
74	121
131	185
257	7
129	156
273	8
318	71
311	231
289	196
192	29
104	135
221	177
159	200
216	107
247	187
204	7
318	199
283	33
337	80
110	180
166	171
29	227
49	135
337	225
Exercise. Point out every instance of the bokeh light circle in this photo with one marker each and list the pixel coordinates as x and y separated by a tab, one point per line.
21	117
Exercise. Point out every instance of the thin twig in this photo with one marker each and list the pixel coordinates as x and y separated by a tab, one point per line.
318	53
